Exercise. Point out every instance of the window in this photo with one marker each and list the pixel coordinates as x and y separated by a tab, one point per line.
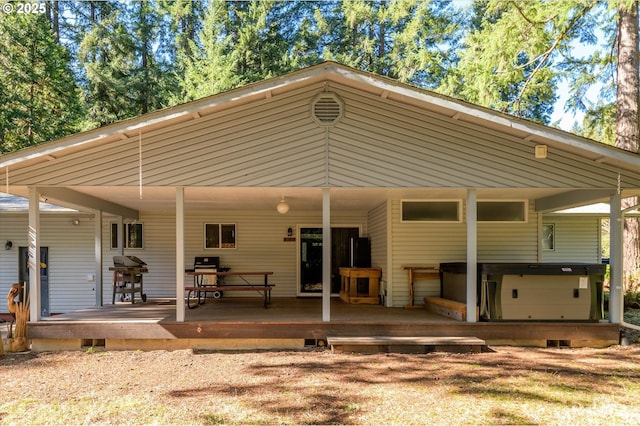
548	236
502	211
219	235
133	233
430	211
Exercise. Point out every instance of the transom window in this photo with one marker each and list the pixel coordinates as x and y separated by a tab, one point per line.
502	211
431	211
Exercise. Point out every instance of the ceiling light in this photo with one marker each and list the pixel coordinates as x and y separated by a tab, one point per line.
282	206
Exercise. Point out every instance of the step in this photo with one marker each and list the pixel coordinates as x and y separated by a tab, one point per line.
408	344
448	308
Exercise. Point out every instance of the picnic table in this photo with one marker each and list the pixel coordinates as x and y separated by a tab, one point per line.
197	294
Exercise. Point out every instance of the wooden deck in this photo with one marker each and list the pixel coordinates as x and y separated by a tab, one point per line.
287	322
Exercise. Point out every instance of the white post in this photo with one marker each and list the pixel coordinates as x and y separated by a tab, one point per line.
120	237
34	255
472	255
616	255
99	288
180	254
326	255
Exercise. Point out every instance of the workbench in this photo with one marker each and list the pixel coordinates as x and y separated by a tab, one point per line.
420	272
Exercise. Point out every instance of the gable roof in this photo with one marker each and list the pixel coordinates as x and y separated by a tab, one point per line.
375	84
402	136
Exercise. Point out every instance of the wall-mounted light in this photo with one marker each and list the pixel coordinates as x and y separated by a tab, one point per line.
75	222
8	245
282	206
289	232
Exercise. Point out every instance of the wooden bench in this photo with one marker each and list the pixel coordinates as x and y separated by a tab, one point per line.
197	295
397	344
448	308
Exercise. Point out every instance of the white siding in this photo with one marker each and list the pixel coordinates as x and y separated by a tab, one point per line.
274	142
377	232
71	257
577	239
259	240
434	243
509	242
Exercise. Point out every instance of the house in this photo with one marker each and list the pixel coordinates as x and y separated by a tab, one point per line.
426	178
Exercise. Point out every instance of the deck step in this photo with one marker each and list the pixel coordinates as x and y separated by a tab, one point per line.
397	344
448	308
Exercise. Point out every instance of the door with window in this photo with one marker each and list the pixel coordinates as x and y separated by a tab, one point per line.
23	276
310	257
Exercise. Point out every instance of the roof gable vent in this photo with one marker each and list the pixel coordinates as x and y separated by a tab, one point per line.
326	109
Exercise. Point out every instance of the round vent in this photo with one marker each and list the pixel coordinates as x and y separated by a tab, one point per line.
326	109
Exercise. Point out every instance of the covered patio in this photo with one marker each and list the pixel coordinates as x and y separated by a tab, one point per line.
343	149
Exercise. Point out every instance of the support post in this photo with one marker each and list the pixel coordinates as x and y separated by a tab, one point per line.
34	255
326	255
472	255
98	282
180	254
616	290
120	237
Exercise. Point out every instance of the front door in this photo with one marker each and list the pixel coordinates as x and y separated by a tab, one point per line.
23	275
310	257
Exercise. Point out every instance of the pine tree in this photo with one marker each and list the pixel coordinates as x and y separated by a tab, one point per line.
39	98
628	128
240	42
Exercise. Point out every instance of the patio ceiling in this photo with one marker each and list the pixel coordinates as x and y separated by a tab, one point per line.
261	199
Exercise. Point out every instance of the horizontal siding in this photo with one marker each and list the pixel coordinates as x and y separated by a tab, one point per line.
422	244
270	142
399	145
577	239
260	247
377	227
274	142
71	258
435	243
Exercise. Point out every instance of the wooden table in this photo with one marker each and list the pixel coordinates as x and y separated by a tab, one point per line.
349	285
419	272
199	292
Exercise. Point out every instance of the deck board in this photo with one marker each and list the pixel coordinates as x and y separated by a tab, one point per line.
243	318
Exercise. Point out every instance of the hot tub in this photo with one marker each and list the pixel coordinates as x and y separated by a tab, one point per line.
530	291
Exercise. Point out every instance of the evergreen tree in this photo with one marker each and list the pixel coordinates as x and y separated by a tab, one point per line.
407	40
240	42
39	98
107	55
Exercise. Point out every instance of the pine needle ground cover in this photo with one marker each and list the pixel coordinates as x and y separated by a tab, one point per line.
508	386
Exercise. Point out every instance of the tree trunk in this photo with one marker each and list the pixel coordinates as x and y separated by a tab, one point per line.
627	125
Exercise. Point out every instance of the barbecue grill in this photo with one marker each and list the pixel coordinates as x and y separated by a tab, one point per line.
127	278
209	264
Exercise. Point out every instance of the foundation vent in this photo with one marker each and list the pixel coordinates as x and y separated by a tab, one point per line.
326	109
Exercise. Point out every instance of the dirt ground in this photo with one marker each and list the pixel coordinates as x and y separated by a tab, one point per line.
317	386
